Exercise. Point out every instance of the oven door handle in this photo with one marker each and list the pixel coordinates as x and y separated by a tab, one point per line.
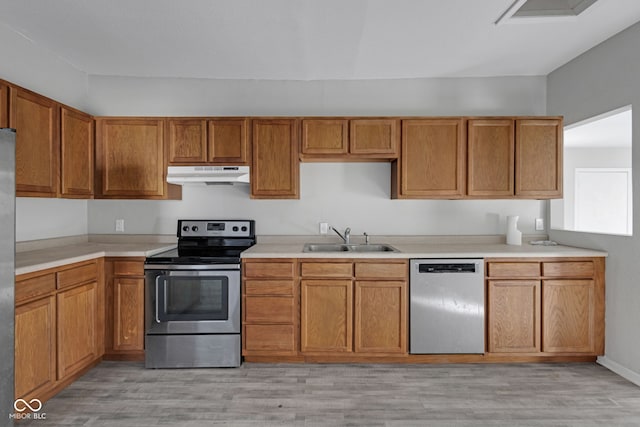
157	300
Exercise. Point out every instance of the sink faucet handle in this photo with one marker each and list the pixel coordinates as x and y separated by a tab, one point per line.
366	238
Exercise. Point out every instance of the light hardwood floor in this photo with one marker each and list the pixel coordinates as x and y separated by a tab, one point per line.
125	394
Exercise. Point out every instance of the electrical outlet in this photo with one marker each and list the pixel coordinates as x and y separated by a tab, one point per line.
120	225
539	224
324	228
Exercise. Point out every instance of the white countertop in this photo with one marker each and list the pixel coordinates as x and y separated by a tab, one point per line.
427	247
28	261
41	259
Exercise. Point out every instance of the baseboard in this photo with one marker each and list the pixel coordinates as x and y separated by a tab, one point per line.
625	373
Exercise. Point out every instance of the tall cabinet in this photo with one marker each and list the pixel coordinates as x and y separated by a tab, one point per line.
37	120
275	167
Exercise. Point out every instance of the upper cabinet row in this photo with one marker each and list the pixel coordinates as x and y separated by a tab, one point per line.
448	158
479	158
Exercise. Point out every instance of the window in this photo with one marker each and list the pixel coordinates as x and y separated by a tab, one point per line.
598	195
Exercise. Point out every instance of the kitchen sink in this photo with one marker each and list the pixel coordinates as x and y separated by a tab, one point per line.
338	247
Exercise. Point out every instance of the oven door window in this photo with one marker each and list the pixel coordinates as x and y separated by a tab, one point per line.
186	298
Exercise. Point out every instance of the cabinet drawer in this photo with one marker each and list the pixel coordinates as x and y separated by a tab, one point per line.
128	268
513	269
268	310
78	274
276	270
35	286
269	287
568	269
365	270
327	269
269	338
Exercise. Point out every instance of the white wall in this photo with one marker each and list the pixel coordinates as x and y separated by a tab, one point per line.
352	195
38	218
602	79
37	69
437	97
344	194
33	67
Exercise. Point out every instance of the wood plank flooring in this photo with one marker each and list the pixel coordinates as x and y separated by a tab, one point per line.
125	394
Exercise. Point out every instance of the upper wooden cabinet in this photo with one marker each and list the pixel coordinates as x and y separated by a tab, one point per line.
130	161
539	158
510	157
228	141
77	154
187	141
432	160
491	157
275	168
4	105
37	123
213	141
349	139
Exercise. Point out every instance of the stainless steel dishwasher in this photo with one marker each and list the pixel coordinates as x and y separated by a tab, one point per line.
446	306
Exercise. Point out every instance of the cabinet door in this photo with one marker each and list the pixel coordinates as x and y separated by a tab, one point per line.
513	316
490	171
37	123
380	317
228	141
275	171
325	136
128	315
35	348
77	328
130	158
568	316
326	316
433	158
187	141
76	165
374	136
539	158
4	105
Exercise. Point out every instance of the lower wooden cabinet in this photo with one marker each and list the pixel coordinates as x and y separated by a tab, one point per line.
124	329
270	306
35	348
545	307
380	317
568	321
513	321
58	327
354	307
326	317
78	335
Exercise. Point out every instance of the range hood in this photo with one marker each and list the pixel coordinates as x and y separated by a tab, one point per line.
207	175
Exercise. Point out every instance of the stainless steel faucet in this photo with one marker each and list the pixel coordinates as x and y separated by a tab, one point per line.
346	236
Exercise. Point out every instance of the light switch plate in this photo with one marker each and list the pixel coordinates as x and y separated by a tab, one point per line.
120	225
539	224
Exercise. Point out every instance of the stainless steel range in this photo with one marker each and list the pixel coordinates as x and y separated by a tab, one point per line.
192	296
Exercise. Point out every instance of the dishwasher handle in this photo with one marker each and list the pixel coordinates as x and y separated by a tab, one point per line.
465	267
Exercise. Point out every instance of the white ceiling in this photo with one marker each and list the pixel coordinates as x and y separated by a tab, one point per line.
606	131
308	39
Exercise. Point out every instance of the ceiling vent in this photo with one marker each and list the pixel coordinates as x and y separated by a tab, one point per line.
543	10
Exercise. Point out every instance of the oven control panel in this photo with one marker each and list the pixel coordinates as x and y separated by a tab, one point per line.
217	228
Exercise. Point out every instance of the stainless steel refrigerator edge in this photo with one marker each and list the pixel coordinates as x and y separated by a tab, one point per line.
7	270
